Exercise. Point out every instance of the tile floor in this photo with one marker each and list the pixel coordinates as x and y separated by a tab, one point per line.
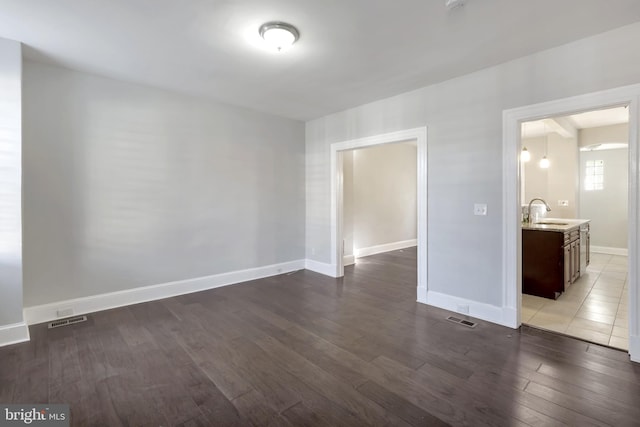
594	308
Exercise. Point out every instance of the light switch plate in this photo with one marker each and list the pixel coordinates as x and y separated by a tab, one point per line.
480	209
563	203
452	4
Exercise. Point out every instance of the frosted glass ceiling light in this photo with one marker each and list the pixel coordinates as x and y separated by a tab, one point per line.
545	163
525	156
279	35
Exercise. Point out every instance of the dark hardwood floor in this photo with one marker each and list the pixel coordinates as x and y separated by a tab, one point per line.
306	350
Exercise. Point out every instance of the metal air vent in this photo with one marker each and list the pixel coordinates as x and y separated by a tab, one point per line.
67	321
467	323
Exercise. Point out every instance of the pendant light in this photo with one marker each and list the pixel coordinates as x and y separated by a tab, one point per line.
525	155
544	162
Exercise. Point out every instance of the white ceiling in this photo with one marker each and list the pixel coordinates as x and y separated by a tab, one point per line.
593	119
586	120
349	52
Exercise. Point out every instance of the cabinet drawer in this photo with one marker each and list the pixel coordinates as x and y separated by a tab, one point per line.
571	236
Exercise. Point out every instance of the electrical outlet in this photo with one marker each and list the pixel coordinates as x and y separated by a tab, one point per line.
563	203
480	209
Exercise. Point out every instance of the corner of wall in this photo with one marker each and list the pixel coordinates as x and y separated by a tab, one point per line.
503	316
12	326
13	334
348	260
330	270
634	348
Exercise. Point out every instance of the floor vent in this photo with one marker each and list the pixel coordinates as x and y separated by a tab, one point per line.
466	323
67	321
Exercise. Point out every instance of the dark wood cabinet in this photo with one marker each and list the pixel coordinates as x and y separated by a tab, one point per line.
552	259
543	263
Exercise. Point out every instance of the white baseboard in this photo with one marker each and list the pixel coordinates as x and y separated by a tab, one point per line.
321	267
491	313
634	348
14	333
47	312
348	260
378	249
609	251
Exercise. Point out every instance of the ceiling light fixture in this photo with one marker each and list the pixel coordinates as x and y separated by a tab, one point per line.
525	155
279	35
544	162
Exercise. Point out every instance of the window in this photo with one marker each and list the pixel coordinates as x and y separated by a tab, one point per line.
594	175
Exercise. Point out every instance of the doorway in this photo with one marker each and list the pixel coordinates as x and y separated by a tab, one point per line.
578	165
379	200
512	239
337	197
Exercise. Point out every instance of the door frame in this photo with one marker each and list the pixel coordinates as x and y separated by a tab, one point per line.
512	239
337	188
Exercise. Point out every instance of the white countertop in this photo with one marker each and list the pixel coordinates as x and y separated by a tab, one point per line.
555	224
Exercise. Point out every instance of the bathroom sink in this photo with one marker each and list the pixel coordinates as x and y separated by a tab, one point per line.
551	223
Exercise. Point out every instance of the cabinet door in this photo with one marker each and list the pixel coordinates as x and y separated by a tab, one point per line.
576	261
576	273
567	266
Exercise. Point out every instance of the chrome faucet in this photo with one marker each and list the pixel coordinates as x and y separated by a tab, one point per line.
530	218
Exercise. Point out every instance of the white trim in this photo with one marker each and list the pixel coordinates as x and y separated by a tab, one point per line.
634	348
511	244
349	260
320	267
48	312
386	247
490	313
420	136
14	333
609	251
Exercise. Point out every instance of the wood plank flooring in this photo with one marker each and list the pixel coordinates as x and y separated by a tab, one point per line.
306	350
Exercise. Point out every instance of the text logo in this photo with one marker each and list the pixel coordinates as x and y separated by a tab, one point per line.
34	415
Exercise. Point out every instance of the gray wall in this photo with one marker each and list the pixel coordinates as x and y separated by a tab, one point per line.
560	180
380	195
464	119
604	134
10	183
128	186
535	179
607	209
